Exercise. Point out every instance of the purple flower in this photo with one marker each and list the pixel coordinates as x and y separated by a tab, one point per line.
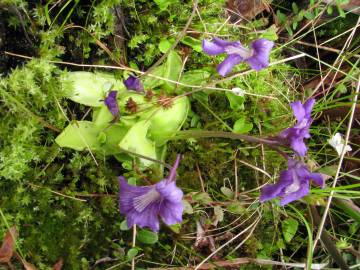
257	56
133	83
143	204
295	135
111	103
293	184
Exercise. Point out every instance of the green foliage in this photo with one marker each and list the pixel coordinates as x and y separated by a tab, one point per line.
173	68
56	226
28	94
147	237
170	70
89	88
64	202
102	19
289	228
241	126
236	102
132	253
309	13
135	141
79	135
163	4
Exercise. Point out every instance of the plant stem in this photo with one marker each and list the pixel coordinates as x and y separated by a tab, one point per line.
273	144
222	134
133	246
326	240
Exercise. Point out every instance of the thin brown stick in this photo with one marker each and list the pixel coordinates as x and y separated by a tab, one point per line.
57	193
336	177
200	177
94	195
339	59
241	261
323	48
133	246
236	176
201	264
326	240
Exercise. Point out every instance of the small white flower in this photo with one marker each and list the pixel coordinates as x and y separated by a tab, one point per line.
337	142
238	91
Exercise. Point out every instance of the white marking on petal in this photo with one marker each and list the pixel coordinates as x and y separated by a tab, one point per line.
141	202
243	52
302	124
295	186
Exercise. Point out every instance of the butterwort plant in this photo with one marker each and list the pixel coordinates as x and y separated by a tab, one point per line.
294	183
143	205
257	56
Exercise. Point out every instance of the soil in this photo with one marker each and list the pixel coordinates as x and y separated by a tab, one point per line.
14	41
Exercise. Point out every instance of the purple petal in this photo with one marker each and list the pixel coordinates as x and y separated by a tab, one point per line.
292	163
262	45
295	135
301	192
295	138
301	170
172	175
298	110
171	213
148	218
317	179
111	102
143	205
212	48
298	145
261	51
269	191
128	193
133	83
257	64
224	43
285	133
226	66
298	185
294	183
308	105
169	191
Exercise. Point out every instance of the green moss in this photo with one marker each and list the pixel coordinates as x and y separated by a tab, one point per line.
64	202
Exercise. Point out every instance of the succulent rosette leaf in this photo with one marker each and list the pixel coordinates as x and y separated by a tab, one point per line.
89	88
136	141
165	122
79	135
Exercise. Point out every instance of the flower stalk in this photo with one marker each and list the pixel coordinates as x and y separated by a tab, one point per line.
223	134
